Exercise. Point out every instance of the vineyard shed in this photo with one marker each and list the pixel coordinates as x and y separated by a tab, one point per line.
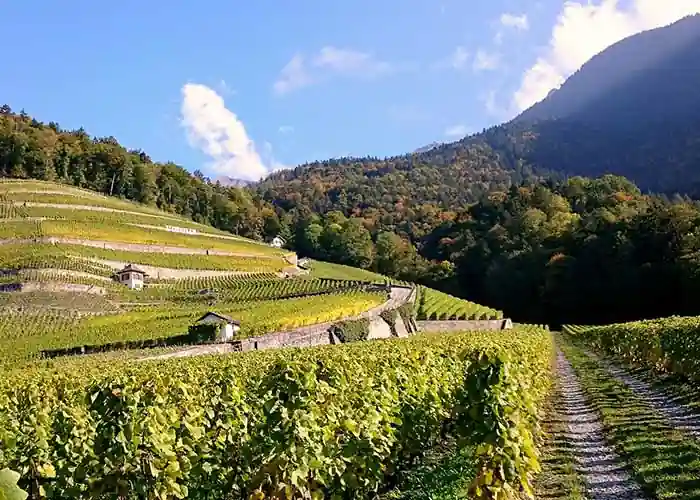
228	326
278	242
131	276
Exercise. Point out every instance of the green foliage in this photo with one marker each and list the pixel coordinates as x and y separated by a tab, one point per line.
489	424
667	345
8	486
198	334
435	305
579	251
390	316
332	421
354	330
28	329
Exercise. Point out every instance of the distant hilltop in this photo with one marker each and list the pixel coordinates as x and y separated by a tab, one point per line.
232	181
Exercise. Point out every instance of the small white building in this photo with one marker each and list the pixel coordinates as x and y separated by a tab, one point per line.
228	325
132	277
278	242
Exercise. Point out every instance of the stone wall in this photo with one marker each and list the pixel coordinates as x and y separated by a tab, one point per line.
455	326
319	334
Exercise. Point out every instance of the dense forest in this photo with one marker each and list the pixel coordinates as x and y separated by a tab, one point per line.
543	249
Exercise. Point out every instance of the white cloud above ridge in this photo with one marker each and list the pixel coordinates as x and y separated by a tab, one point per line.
519	22
302	71
583	30
486	61
218	133
457	60
457	131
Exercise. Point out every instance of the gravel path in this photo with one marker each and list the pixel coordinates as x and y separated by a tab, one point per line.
597	463
678	416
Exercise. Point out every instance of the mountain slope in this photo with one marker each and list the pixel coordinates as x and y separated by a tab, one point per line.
657	68
633	110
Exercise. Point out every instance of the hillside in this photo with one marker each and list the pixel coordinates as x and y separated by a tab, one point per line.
632	110
60	248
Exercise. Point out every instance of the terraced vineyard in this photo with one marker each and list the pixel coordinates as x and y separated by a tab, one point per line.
21	338
435	305
383	402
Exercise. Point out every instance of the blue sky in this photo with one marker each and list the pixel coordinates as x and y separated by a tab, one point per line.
241	88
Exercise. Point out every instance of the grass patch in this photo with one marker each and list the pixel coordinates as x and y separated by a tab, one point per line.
665	462
444	473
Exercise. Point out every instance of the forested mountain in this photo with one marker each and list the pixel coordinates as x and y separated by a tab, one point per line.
408	194
633	110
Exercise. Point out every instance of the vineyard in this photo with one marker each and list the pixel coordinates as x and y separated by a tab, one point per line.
244	288
11	211
340	421
343	419
435	305
23	334
125	233
668	345
87	259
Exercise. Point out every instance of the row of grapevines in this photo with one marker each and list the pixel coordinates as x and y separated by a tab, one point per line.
667	344
9	210
435	305
246	288
119	217
213	282
148	322
81	258
111	231
69	198
324	422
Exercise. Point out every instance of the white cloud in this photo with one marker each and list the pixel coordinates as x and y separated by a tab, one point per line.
456	131
301	72
457	60
585	29
293	76
286	129
350	62
514	21
218	133
484	60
